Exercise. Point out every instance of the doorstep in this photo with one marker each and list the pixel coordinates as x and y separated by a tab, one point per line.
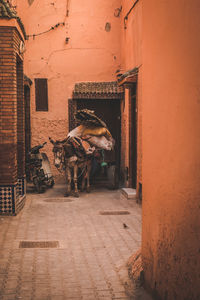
129	193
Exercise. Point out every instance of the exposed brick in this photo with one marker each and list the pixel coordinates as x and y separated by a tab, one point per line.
12	107
8	162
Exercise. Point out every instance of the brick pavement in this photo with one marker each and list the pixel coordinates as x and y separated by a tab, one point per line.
93	248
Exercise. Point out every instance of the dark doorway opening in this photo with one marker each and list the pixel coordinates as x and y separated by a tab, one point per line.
27	125
27	119
109	111
20	119
133	136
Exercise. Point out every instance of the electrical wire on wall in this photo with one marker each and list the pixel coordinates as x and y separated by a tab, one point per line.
53	27
66	16
126	16
67	9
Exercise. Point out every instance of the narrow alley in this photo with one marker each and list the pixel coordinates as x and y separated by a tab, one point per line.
107	93
86	247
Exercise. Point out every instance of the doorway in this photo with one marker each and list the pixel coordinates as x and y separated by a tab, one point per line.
27	119
109	111
27	125
133	136
20	119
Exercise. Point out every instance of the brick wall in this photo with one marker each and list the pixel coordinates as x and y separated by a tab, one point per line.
20	107
8	111
12	157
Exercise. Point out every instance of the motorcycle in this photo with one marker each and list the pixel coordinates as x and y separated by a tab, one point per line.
38	169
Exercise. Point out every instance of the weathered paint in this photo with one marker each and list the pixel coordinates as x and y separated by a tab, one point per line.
171	148
91	54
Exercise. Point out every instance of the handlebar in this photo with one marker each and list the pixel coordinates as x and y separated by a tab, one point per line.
35	150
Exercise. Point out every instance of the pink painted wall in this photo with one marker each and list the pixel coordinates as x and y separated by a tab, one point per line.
171	148
92	54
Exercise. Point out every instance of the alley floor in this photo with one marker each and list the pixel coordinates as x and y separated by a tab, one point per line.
69	248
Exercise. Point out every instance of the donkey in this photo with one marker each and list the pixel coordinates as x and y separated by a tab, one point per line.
69	155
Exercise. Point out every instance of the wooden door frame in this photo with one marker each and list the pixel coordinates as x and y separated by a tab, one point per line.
133	136
72	108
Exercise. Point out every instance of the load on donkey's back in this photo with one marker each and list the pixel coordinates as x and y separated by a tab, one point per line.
80	148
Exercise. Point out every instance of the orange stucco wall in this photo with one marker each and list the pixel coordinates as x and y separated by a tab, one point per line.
131	57
131	45
171	148
162	39
92	54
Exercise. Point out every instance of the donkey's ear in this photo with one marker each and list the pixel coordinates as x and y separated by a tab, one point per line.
51	141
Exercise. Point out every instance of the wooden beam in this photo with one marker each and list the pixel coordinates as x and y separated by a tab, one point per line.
129	79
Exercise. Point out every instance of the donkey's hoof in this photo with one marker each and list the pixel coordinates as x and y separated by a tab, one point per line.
76	194
66	195
88	190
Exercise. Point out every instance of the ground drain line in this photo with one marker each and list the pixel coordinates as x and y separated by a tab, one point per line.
58	200
38	244
120	212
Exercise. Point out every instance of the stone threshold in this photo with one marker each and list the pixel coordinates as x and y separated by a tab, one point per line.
129	193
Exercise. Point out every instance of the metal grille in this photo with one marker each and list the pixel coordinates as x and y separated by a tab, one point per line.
38	244
119	212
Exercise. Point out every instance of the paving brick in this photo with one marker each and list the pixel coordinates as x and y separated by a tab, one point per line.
92	248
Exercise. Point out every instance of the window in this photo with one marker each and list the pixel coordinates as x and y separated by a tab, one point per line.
41	94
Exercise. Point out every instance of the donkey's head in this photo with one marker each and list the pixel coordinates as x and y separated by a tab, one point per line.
58	152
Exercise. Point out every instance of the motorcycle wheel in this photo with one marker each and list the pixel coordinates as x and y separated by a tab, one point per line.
50	183
37	185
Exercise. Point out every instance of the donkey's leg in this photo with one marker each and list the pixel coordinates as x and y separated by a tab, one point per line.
76	194
68	181
83	178
88	176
